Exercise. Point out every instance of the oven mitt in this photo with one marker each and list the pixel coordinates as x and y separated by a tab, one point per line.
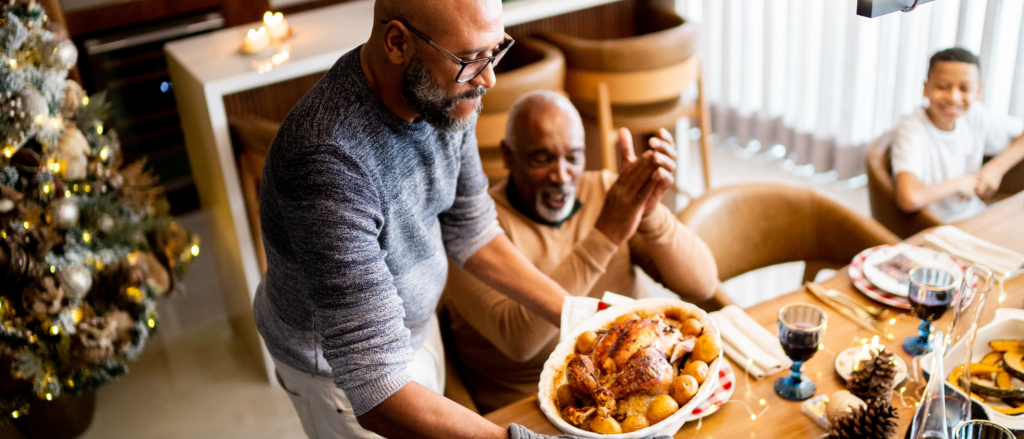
517	431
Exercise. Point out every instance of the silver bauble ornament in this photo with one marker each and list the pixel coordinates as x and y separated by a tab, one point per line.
73	95
33	103
6	205
75	279
61	54
64	213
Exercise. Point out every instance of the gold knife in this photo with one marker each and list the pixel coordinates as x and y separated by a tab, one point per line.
816	290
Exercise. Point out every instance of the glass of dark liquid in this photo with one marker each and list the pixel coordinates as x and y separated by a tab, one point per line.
801	328
931	295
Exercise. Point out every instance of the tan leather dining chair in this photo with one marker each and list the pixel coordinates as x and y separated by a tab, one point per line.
252	137
882	191
529	65
756	225
637	82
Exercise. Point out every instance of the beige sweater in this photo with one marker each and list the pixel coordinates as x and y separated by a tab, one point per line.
502	346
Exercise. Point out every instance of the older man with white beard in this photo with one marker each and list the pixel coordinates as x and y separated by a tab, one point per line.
579	228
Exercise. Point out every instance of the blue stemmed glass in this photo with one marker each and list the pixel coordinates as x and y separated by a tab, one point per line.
801	328
931	295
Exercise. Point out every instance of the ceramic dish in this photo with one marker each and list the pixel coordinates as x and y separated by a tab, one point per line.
1007	324
553	374
918	256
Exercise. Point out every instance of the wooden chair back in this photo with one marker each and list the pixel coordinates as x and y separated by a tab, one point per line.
252	138
654	67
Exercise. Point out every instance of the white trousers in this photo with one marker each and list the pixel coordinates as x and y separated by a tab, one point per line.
326	412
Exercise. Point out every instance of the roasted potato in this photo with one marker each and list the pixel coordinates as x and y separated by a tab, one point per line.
697	369
691	327
683	388
565	396
634	423
706	349
624	317
585	342
605	425
662	407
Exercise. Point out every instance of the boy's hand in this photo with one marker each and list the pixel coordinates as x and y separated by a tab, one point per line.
988	182
967	186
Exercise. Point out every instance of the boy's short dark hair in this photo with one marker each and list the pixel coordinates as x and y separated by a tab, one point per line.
956	54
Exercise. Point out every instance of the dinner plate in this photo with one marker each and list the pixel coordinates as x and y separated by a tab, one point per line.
722	393
869	289
847	358
918	257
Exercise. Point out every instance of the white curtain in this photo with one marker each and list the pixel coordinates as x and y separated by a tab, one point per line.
822	82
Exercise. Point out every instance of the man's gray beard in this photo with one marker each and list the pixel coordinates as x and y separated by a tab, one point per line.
556	215
432	103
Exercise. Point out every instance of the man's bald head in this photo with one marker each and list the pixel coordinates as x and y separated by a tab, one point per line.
532	115
441	19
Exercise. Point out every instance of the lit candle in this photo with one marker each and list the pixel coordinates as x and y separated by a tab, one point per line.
867	350
277	25
257	40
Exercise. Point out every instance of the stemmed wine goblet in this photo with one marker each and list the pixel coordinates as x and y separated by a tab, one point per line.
931	295
801	328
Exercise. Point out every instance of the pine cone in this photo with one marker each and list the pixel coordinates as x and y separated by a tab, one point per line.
874	378
875	421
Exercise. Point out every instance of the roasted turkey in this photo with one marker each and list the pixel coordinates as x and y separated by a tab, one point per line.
634	356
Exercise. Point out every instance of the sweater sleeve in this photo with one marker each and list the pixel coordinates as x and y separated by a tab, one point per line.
671	253
471	222
337	217
509	326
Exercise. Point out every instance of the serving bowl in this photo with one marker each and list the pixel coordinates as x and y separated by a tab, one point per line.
1007	324
553	374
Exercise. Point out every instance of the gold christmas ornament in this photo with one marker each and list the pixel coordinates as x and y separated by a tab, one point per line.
64	213
73	94
71	155
75	279
841	404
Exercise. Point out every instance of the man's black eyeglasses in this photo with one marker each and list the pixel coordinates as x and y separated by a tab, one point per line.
467	69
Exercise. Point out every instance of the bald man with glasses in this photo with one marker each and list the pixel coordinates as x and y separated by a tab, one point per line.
372	183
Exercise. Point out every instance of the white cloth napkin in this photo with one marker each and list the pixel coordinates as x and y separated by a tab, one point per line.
576	310
966	246
744	339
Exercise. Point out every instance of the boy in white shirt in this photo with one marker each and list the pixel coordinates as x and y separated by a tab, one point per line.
938	151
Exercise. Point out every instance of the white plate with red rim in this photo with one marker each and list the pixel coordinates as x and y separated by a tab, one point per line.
722	393
918	257
861	282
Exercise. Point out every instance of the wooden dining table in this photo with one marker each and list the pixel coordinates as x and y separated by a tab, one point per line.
1002	224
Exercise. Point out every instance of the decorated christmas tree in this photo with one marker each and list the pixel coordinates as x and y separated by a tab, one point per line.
86	243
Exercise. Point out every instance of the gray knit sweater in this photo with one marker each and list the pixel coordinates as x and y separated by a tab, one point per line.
359	210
